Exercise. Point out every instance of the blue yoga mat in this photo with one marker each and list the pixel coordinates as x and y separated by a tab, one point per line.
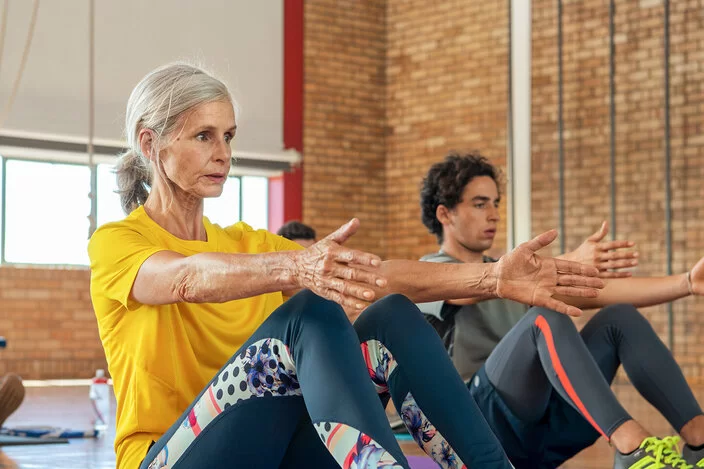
47	432
7	440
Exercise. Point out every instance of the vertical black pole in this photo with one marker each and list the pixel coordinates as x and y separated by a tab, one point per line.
612	115
668	188
560	129
509	135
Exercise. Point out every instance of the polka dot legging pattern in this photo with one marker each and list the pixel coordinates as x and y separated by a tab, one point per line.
265	369
302	365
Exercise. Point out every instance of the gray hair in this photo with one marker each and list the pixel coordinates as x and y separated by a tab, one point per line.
157	103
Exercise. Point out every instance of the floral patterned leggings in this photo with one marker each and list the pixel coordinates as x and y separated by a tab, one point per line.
300	394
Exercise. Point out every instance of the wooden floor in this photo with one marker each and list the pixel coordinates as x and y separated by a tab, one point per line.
70	407
66	407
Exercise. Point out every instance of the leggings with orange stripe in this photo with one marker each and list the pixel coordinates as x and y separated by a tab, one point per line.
304	391
545	352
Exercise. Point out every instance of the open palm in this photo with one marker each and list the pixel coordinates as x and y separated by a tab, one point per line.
525	277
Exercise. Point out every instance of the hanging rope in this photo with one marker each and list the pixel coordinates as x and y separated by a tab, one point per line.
93	217
3	27
25	55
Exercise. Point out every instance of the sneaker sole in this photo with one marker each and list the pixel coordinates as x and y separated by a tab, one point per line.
11	396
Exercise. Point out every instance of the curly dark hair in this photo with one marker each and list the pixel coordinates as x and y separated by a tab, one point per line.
296	230
445	182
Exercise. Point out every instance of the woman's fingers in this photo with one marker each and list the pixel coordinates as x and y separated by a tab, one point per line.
358	275
620	264
349	288
618	244
348	302
616	255
609	274
353	256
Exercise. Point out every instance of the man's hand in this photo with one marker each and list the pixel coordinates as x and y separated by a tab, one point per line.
604	255
527	278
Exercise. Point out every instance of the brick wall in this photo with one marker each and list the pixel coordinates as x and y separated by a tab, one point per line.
344	133
640	173
47	318
447	89
392	86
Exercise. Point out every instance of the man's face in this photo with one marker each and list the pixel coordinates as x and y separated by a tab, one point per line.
473	222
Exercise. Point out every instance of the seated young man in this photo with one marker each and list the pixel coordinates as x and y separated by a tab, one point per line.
543	386
11	396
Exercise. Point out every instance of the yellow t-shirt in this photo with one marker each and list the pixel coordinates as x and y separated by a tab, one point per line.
161	357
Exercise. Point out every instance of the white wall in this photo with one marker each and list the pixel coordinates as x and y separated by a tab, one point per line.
239	40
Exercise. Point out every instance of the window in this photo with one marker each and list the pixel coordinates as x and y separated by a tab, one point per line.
46	212
108	201
255	201
225	210
47	205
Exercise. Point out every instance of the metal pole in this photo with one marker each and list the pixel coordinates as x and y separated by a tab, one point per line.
511	231
612	114
4	209
560	129
668	188
93	217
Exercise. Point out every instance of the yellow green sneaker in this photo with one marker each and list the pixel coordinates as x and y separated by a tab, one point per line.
693	457
653	453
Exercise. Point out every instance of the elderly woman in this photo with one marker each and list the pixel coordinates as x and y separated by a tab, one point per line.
220	360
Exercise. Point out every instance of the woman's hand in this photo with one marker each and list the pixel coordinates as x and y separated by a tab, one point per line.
604	255
696	278
331	270
527	278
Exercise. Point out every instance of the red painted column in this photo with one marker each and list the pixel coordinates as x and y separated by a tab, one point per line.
286	191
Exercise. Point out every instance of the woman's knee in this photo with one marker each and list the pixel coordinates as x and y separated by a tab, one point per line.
390	314
391	308
307	308
623	316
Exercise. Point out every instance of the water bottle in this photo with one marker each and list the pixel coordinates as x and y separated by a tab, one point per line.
3	342
100	397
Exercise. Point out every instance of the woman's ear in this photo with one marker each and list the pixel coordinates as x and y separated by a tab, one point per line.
146	143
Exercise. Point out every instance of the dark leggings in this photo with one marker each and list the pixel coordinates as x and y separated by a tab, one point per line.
300	394
544	351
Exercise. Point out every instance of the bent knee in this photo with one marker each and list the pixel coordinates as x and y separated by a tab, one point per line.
309	308
542	317
394	307
621	315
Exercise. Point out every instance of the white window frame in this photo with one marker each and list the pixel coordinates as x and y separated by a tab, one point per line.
53	150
